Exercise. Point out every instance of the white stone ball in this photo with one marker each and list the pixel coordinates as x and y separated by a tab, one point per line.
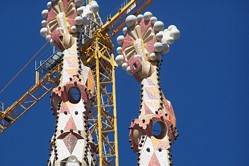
73	29
140	17
159	36
94	7
78	20
119	59
52	42
147	15
43	23
44	13
169	40
78	2
159	26
85	21
152	56
153	20
44	32
120	39
158	47
125	30
124	66
175	33
128	70
80	10
119	50
89	14
49	4
166	48
131	20
48	38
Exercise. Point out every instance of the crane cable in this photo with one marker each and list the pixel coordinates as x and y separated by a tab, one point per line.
17	74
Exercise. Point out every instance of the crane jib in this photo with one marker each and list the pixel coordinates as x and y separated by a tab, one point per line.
116	22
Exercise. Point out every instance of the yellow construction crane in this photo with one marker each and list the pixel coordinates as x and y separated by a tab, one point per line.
97	53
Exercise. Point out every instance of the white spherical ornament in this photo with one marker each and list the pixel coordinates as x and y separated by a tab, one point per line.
48	38
94	7
73	29
124	66
166	48
152	56
78	20
80	10
140	17
169	40
159	36
159	26
44	32
49	4
89	14
128	70
52	42
172	27
78	2
153	20
147	15
125	30
119	59
158	47
85	21
131	20
119	50
175	33
44	14
43	23
120	39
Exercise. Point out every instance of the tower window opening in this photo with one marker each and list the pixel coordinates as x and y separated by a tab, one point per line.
74	95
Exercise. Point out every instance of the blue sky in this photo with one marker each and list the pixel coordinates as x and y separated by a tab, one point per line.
205	75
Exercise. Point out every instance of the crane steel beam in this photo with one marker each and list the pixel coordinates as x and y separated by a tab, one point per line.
29	99
115	23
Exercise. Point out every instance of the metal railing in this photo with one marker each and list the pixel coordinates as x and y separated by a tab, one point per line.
46	65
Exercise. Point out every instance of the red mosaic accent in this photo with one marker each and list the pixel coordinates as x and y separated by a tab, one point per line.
144	126
61	93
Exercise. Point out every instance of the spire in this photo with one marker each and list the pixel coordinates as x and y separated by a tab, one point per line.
140	54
